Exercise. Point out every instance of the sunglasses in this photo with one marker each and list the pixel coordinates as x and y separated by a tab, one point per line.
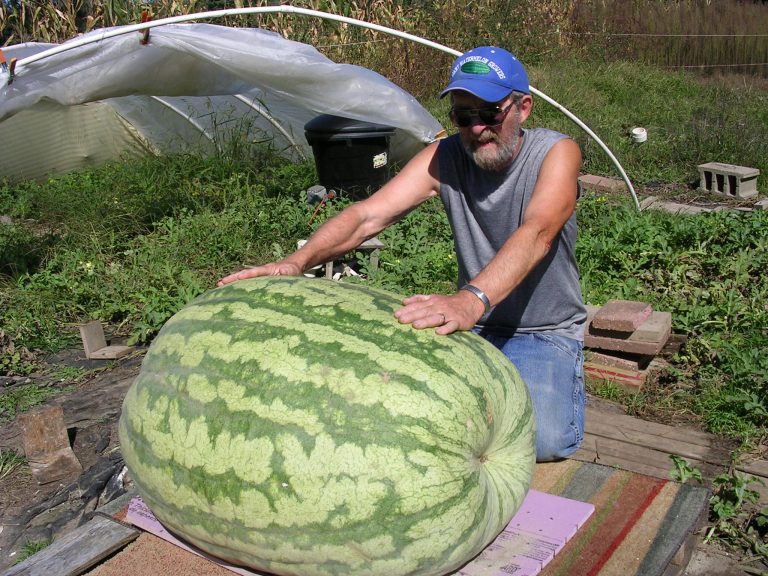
491	116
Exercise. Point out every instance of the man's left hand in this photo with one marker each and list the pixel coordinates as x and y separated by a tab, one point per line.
446	314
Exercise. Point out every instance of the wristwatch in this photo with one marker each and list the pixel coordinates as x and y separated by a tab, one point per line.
480	294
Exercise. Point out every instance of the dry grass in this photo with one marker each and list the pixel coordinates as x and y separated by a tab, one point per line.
716	38
726	36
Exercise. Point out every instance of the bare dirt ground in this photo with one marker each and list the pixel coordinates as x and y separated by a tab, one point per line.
31	513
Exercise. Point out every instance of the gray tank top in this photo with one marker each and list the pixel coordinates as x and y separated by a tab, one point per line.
484	208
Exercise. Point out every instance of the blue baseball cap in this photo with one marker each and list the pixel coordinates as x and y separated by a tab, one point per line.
488	72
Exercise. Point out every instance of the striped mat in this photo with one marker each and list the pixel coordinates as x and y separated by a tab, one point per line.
638	525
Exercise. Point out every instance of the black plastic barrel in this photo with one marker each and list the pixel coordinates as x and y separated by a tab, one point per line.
351	156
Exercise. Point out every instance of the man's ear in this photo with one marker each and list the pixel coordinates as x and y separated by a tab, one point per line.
525	106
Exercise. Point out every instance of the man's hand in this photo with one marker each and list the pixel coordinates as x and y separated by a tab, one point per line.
444	313
281	268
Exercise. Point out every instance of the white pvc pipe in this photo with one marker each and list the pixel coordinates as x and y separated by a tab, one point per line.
188	117
272	120
91	38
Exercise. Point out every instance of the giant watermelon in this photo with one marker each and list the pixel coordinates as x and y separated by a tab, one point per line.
295	427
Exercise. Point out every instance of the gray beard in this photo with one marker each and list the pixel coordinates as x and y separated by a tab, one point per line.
498	159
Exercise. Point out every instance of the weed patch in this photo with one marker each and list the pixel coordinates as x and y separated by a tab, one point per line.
21	398
9	461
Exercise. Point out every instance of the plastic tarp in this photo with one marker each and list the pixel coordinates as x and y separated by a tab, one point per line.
192	87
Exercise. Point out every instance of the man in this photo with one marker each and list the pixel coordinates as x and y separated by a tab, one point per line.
510	195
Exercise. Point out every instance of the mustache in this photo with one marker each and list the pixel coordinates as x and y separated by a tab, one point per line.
487	136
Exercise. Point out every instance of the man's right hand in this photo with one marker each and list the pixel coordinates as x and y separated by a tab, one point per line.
281	268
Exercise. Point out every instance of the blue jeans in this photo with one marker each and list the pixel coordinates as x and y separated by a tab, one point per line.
552	368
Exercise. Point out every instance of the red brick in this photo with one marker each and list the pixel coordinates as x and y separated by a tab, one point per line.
631	380
622	315
657	328
619	360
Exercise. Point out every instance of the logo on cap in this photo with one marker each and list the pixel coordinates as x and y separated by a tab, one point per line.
475	67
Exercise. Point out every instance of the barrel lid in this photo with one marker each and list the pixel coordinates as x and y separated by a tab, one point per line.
330	124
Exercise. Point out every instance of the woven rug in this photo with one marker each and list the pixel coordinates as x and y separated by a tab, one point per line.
638	526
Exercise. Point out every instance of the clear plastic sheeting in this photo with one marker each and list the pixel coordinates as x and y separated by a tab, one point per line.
194	88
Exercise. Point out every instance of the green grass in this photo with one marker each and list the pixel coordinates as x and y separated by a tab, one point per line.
706	270
21	398
30	549
9	461
688	122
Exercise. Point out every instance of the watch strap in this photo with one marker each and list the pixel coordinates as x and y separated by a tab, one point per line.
480	294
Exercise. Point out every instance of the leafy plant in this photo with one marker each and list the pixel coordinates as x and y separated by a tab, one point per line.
683	471
705	269
734	516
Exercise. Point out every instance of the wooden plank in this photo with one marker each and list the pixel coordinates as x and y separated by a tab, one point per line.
644	447
93	338
111	352
585	454
664	443
756	467
46	445
663	431
78	550
95	343
611	452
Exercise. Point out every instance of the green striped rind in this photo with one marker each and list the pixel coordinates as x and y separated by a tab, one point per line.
296	427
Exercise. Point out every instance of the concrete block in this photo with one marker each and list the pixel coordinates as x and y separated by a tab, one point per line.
653	203
46	445
622	315
728	179
621	345
648	202
601	183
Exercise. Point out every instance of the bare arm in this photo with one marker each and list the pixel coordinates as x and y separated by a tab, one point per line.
414	184
552	203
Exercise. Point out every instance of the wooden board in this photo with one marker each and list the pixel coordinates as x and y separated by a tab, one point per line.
645	447
78	550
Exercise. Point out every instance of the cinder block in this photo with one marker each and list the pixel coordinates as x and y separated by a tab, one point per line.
622	315
728	179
